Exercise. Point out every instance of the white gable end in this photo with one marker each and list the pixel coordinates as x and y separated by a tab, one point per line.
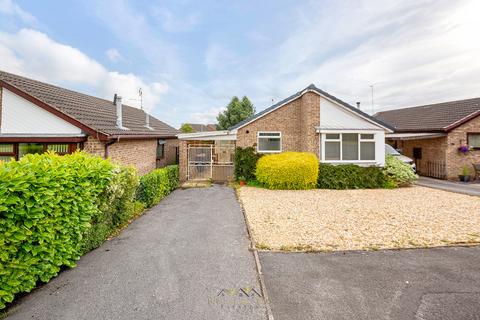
20	116
333	116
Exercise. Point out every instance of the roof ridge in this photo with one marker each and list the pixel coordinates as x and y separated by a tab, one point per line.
428	105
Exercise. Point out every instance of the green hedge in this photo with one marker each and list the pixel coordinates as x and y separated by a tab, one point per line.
154	186
350	176
47	203
245	163
288	170
398	173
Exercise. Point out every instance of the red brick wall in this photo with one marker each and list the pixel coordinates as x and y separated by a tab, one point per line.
455	160
94	146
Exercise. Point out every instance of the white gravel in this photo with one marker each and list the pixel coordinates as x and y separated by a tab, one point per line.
360	219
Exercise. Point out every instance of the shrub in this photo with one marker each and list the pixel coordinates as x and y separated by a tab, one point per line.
398	173
117	206
47	203
154	186
245	163
350	176
288	170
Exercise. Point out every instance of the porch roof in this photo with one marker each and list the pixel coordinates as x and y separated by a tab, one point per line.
414	135
208	135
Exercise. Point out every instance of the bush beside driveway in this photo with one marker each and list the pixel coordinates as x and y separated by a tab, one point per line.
328	220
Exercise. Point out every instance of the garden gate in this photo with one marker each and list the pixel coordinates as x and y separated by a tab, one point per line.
210	161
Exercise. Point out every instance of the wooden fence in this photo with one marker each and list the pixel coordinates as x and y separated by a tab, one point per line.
434	169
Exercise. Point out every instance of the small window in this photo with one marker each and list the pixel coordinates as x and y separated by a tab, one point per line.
28	148
7	152
332	150
269	142
161	149
474	140
366	136
332	136
59	148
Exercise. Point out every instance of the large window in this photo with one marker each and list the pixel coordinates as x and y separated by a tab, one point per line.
349	147
269	142
474	140
15	151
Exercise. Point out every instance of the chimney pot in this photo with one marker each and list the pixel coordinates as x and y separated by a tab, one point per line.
358	104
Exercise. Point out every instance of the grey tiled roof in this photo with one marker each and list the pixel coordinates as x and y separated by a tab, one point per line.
198	127
311	87
96	113
432	117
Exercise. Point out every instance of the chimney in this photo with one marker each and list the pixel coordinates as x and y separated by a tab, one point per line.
118	103
358	104
147	121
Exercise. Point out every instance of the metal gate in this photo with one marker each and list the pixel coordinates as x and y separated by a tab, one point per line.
210	161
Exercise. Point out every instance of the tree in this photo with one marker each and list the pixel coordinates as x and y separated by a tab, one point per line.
236	111
186	128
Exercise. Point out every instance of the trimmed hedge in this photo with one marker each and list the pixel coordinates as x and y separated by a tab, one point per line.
154	186
47	203
288	170
350	176
245	163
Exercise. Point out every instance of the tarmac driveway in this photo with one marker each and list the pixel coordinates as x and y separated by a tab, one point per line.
441	283
187	258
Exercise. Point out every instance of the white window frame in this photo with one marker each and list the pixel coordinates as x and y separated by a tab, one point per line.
266	136
323	136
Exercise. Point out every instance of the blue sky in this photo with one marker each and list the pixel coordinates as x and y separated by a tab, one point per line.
191	57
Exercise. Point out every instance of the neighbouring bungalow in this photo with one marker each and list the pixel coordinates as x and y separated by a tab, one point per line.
36	117
199	127
442	138
310	120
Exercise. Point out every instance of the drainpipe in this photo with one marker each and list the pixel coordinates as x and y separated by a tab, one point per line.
107	144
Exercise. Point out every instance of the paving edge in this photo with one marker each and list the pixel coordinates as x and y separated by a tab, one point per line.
258	265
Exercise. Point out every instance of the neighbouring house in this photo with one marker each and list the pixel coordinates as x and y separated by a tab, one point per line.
198	127
36	117
433	134
310	120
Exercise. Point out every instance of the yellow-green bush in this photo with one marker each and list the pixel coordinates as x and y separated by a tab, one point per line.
288	170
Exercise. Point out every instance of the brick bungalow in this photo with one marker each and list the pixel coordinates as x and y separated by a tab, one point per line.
432	135
310	120
36	116
199	127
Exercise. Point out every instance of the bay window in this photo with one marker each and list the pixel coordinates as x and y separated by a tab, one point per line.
349	147
269	142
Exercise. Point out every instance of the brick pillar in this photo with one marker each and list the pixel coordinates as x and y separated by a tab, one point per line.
309	119
183	161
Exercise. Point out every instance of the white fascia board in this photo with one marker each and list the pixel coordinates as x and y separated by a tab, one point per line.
208	135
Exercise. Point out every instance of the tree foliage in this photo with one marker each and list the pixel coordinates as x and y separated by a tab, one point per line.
186	128
237	110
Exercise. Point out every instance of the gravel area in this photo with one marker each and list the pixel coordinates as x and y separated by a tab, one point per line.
325	220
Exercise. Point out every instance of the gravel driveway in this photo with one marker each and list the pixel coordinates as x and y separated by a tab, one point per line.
187	258
360	219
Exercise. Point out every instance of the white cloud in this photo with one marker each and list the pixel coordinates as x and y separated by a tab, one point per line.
34	54
8	7
113	55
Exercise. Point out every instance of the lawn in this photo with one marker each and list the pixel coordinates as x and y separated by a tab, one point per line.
325	220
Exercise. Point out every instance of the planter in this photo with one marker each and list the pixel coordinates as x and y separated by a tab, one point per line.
463	178
243	182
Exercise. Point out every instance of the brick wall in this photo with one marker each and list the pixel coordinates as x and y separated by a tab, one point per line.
183	161
139	153
94	146
310	118
455	160
1	95
433	150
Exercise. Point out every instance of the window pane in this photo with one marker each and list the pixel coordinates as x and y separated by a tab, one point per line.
7	158
367	136
160	151
26	148
58	148
350	146
269	144
474	140
332	136
6	147
332	150
367	151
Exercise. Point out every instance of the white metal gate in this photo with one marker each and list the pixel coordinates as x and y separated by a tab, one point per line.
210	162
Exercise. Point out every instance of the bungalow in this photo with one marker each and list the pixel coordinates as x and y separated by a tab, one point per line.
442	138
310	120
36	117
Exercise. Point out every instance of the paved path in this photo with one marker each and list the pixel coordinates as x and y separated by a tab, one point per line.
472	189
442	283
187	258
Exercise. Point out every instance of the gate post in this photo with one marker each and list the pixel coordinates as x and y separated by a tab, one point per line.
211	161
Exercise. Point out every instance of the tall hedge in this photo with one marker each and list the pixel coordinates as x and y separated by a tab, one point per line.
245	163
47	203
350	176
288	170
154	186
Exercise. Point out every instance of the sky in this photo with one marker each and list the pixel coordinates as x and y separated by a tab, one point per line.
191	57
